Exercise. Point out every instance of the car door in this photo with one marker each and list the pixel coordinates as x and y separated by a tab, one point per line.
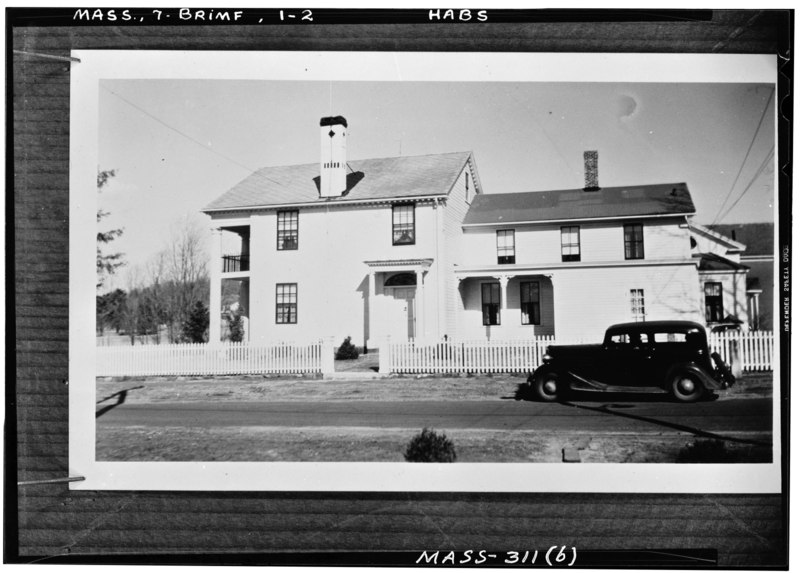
625	357
669	348
642	363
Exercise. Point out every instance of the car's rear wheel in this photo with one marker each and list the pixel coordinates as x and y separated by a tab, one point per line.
687	387
546	386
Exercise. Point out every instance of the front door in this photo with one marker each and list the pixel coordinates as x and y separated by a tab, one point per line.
406	296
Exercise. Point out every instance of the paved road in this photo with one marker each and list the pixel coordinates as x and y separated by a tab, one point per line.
749	415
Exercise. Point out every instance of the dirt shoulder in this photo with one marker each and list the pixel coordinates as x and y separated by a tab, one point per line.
146	390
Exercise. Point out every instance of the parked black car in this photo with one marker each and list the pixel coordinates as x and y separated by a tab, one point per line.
671	356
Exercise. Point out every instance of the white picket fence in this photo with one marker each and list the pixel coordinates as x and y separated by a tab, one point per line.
410	357
755	352
206	359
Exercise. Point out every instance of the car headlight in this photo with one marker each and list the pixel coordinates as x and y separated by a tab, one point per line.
546	358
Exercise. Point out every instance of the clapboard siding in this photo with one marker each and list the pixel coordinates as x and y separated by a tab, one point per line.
53	521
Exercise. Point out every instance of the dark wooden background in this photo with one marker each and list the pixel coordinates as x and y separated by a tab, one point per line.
50	523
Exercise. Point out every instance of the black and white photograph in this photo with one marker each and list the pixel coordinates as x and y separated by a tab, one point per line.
423	281
471	266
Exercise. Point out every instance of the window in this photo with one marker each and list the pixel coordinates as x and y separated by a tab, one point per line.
713	292
287	230
490	302
505	247
571	243
403	225
637	304
634	242
529	303
286	303
668	337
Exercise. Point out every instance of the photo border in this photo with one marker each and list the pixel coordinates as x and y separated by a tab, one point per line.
96	65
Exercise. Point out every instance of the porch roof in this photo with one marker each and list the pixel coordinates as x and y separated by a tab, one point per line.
521	269
398	264
712	262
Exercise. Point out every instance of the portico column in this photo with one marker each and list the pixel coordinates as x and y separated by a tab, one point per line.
215	287
503	299
371	310
420	302
458	308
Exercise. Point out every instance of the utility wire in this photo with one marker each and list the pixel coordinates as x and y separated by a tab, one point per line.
190	138
758	172
744	161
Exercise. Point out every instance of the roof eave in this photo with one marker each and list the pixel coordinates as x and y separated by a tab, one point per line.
375	201
578	219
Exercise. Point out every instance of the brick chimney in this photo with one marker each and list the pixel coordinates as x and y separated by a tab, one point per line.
333	157
590	171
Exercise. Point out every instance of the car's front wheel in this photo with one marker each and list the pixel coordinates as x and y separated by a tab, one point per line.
687	387
546	385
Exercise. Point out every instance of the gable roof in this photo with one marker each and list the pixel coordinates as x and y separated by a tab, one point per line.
568	204
712	262
759	237
367	180
730	244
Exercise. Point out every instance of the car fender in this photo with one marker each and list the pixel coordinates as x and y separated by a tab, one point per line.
691	368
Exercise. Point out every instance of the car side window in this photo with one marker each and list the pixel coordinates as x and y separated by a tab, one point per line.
666	337
619	340
628	340
638	340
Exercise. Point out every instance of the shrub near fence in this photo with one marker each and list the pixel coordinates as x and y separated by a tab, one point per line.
755	350
206	359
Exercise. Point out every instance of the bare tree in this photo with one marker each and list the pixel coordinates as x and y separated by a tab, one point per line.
187	273
155	295
131	311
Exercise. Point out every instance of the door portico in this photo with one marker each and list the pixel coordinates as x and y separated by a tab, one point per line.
396	299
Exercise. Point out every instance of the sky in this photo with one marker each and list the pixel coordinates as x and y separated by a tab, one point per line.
176	145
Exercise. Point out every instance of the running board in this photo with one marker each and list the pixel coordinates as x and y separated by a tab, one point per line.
620	389
593	386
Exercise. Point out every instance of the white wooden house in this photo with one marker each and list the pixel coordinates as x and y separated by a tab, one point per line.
412	247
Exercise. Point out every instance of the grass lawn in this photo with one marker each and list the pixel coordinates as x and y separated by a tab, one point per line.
388	445
143	390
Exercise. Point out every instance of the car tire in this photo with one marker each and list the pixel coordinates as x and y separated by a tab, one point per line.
546	386
686	387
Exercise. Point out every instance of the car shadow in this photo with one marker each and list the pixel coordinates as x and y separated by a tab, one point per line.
120	396
611	409
523	393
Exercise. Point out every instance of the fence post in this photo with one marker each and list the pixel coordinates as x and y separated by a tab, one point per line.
326	358
384	356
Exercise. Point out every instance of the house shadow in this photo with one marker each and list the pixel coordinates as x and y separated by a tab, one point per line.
120	396
352	180
611	409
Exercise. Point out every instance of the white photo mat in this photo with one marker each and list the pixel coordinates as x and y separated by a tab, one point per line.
98	65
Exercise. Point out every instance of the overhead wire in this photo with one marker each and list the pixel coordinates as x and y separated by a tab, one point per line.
758	172
747	154
190	138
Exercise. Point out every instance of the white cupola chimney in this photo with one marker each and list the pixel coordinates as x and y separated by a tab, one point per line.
333	157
